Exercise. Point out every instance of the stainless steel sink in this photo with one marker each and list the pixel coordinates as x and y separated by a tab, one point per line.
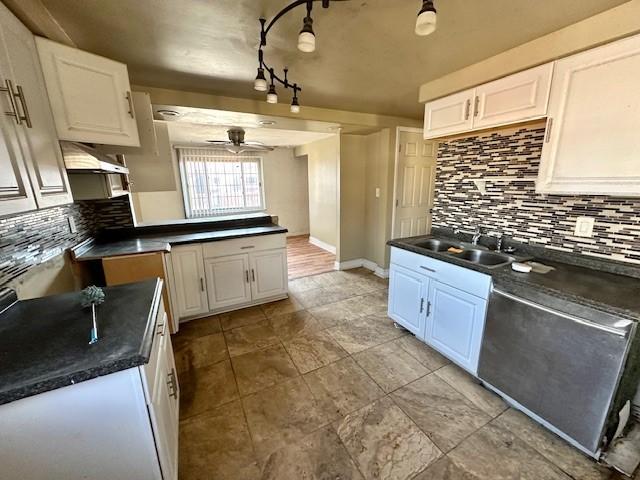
437	245
485	257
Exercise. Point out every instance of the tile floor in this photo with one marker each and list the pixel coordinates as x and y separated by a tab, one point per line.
322	386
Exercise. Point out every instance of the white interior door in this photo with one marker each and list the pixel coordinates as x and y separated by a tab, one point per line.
414	185
228	280
268	273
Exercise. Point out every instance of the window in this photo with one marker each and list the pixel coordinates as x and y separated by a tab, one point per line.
216	183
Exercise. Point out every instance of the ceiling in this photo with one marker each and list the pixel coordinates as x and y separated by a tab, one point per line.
367	58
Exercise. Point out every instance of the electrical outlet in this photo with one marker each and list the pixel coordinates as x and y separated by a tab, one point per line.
378	192
72	224
584	227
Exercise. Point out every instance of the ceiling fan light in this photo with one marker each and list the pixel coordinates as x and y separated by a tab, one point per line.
306	38
427	20
260	83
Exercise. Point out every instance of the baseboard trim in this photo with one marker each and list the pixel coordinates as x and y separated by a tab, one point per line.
322	245
363	262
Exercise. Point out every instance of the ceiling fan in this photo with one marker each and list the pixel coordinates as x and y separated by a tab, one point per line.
236	143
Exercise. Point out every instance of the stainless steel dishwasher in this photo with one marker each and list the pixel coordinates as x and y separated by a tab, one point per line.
562	368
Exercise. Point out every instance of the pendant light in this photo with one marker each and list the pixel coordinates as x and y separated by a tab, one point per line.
272	96
260	83
426	21
295	106
306	38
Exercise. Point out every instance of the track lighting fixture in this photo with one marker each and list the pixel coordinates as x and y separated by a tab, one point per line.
426	21
306	43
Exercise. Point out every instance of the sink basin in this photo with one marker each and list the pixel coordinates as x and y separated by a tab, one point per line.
436	245
485	257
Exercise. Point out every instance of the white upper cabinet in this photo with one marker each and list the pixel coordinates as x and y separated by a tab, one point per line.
518	97
90	95
449	115
36	130
592	144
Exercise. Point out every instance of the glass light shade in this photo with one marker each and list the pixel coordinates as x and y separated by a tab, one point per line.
306	42
272	98
260	84
426	23
295	108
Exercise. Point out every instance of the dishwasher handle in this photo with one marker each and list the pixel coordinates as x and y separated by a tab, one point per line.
622	331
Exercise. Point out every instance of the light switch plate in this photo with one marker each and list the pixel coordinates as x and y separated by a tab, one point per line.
378	192
584	227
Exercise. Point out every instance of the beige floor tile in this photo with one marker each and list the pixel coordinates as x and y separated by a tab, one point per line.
288	305
323	296
334	314
240	318
282	415
495	453
331	279
318	456
263	368
303	284
423	353
289	325
390	366
385	443
484	399
313	350
250	338
206	388
198	328
342	387
552	447
216	445
444	469
199	352
365	332
440	411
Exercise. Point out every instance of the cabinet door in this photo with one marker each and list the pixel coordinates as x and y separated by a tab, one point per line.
448	115
407	299
592	144
519	97
189	284
37	132
90	95
455	321
163	413
227	280
268	273
16	194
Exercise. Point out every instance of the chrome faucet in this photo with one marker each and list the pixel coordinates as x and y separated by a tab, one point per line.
477	233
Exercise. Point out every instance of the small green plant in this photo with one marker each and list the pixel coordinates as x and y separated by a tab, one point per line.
90	297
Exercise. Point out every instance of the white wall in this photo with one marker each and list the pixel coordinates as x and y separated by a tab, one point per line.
285	189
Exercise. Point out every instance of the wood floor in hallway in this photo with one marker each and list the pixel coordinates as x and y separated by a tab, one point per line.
305	259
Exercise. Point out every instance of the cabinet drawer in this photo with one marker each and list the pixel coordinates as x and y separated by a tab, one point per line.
160	335
467	280
243	245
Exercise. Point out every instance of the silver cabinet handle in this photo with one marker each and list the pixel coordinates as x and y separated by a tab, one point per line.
427	269
172	383
130	102
253	275
475	106
14	106
247	247
547	137
421	305
202	284
246	275
467	107
161	329
428	308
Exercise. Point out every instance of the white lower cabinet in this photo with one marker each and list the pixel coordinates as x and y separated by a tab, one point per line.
442	304
216	277
189	280
455	324
408	292
228	281
268	273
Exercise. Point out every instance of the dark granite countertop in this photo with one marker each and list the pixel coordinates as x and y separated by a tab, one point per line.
44	342
608	286
160	237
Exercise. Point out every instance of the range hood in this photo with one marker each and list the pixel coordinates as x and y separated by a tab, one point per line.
80	158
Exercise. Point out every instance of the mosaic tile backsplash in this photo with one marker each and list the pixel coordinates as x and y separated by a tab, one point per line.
31	238
515	209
